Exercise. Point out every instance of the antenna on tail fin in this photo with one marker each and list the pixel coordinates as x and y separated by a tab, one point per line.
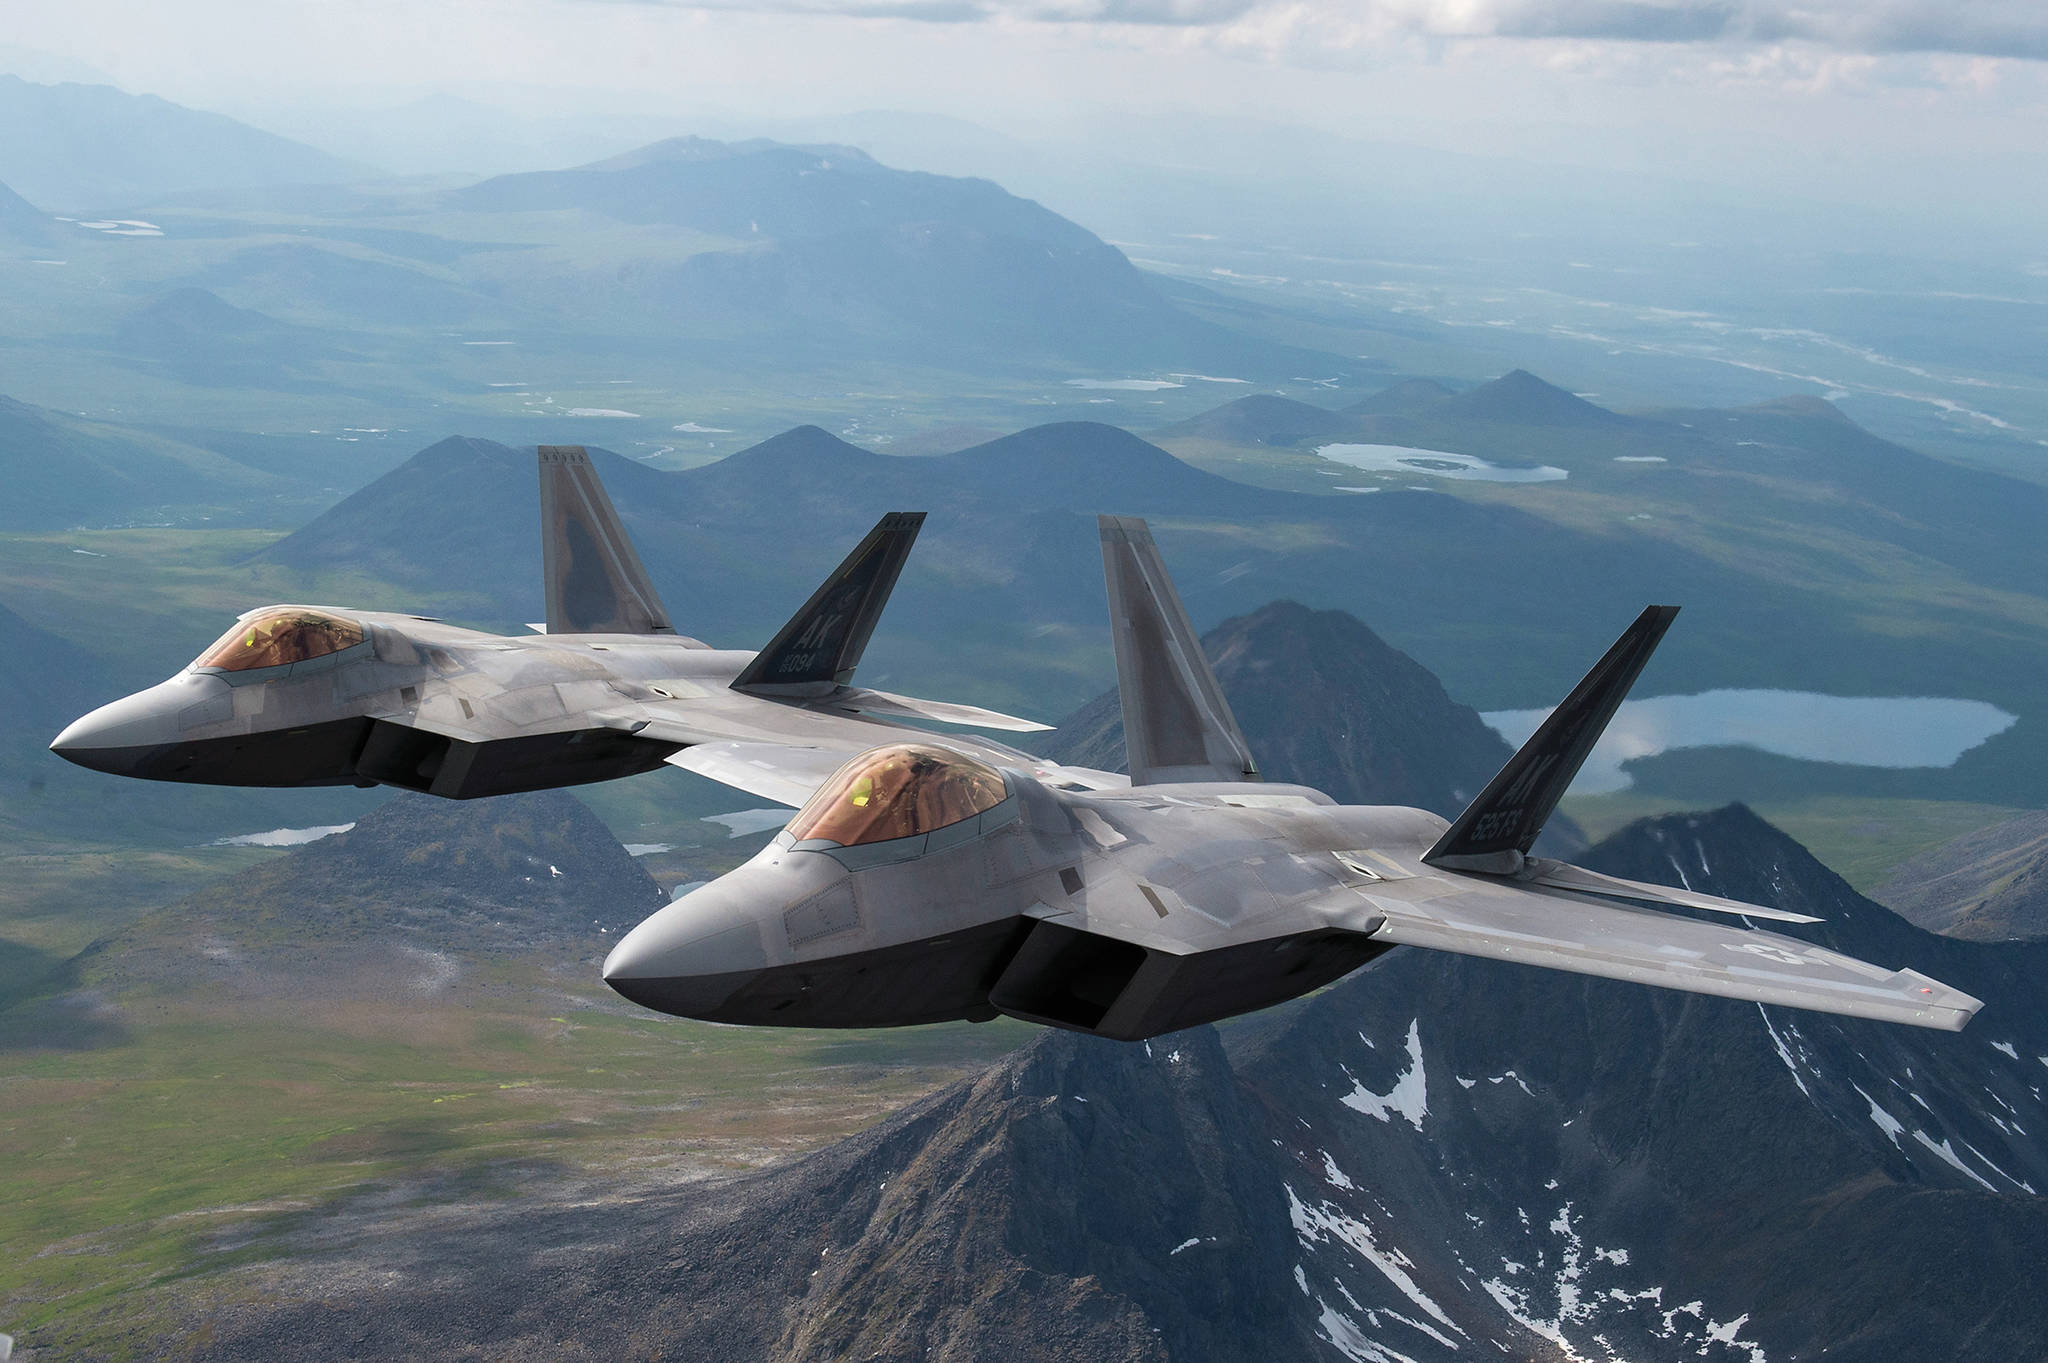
1177	726
1495	833
595	581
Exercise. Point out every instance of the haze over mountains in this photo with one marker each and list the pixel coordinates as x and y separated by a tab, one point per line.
72	148
1010	539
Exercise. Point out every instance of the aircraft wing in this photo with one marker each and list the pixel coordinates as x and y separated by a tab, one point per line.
771	771
788	775
1564	931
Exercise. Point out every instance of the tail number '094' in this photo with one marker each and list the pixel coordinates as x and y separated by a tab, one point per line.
1499	823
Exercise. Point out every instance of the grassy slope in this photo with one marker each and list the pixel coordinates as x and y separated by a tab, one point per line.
205	1127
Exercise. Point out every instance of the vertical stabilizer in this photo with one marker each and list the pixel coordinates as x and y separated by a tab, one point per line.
1177	726
821	645
595	582
1494	835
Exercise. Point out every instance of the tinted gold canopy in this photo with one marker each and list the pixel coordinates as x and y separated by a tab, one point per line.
285	634
898	792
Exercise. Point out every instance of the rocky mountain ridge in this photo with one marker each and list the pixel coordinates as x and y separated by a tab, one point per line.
1434	1156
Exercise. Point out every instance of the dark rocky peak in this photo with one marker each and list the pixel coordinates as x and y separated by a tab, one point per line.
1116	1199
1265	419
1325	702
1964	1092
1733	852
1402	399
1521	398
1667	1175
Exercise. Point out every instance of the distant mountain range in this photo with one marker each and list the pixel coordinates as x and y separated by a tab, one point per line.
1510	606
822	246
1437	1157
1010	548
75	148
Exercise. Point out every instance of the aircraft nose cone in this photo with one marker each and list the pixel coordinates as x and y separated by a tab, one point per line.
118	737
693	955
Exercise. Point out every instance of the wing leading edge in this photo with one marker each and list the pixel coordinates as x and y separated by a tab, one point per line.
1561	930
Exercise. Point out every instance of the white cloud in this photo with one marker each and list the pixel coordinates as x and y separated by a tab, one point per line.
1988	28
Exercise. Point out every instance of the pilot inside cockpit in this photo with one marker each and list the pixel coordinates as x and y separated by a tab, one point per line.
899	791
280	635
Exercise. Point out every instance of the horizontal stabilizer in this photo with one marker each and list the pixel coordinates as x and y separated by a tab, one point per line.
1177	726
1496	832
1561	875
821	645
595	581
946	712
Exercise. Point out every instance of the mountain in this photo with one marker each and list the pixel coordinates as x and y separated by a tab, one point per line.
1265	419
1675	1176
1827	469
1086	467
1437	1158
1324	702
1987	886
91	147
45	682
198	337
419	897
22	222
803	247
62	471
1520	398
1409	395
1007	570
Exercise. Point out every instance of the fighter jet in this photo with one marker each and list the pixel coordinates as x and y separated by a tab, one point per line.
920	884
316	695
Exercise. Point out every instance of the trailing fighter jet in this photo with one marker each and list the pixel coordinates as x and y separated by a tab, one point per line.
919	884
314	695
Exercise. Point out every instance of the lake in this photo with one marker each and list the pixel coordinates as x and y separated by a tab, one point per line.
1864	731
1436	464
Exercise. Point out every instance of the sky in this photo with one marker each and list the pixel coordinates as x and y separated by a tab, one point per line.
1851	98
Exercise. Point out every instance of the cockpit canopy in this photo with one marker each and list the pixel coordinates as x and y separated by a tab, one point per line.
899	791
281	635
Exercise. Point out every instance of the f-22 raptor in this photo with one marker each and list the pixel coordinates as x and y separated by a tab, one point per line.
919	884
316	695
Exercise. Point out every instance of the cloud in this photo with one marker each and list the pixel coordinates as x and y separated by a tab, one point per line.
1988	28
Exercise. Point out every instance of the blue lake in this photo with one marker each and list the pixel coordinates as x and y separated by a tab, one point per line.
1406	460
1865	731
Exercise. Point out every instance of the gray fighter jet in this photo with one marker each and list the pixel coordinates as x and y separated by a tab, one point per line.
918	884
314	695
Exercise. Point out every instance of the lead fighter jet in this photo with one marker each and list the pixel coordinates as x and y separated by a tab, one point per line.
314	695
919	884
